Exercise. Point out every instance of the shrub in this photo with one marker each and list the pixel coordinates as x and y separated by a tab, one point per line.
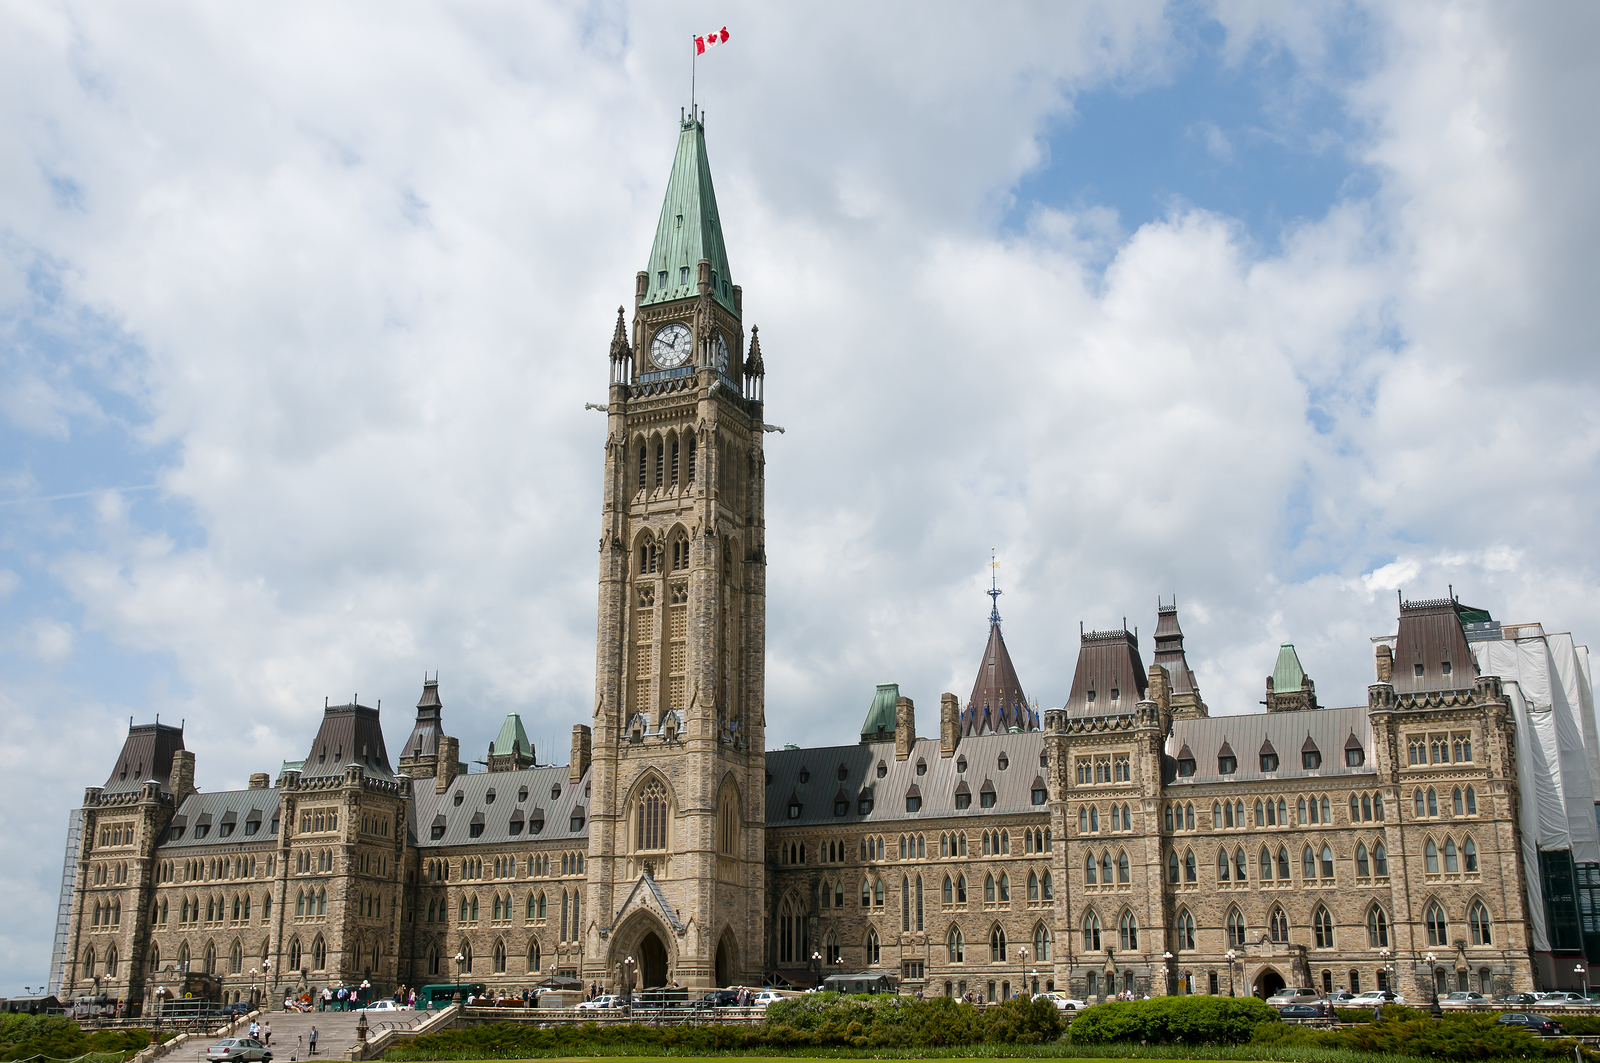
1407	1032
57	1037
1197	1020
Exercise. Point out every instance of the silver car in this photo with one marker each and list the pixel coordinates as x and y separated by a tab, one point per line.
235	1049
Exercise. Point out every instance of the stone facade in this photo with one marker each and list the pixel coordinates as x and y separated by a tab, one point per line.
1126	840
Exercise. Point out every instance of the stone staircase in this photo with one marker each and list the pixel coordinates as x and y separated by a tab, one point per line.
291	1035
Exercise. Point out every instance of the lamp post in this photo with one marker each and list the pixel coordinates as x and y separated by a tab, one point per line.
1166	962
1433	987
1583	977
267	992
1231	956
461	971
816	964
161	997
1022	961
627	985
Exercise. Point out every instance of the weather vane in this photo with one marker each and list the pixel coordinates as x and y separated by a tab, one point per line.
994	590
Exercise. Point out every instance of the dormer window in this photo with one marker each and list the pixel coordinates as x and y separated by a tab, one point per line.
1445	667
864	803
438	828
661	279
1091	696
1227	765
522	795
577	820
1416	669
488	798
986	795
1003	763
683	274
475	826
913	800
841	806
1354	758
460	797
883	769
1185	766
922	767
1269	762
794	809
1115	693
555	791
805	775
844	773
1310	759
961	765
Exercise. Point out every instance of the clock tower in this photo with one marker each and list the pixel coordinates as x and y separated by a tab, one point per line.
676	818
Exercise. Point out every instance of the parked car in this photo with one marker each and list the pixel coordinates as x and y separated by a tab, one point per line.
1518	1000
1535	1024
765	997
1374	997
1462	999
1340	997
1294	996
600	1003
1301	1011
1559	999
237	1049
1061	1001
233	1011
385	1005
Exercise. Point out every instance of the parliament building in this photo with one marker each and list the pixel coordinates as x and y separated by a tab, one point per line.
1440	834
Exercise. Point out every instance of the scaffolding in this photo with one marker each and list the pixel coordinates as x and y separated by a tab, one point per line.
69	878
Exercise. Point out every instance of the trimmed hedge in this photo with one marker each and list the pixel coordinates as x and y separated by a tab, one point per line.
57	1037
1455	1039
1195	1020
822	1020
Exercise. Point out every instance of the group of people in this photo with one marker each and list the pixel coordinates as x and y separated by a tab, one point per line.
261	1031
329	998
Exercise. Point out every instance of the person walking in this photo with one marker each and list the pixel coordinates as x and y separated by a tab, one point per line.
255	1030
266	1034
313	1040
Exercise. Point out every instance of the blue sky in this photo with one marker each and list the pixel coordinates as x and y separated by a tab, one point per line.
1278	308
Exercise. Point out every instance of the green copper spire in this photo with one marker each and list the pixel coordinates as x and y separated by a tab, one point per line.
690	229
879	724
1287	673
512	738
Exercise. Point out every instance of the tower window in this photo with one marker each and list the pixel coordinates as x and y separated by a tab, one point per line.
661	279
661	462
674	463
643	458
683	274
1416	670
691	460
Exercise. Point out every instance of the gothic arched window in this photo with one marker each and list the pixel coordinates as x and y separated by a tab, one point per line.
652	830
1477	920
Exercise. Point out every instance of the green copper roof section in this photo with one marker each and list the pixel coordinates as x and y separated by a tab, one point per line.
512	738
881	715
1287	673
690	229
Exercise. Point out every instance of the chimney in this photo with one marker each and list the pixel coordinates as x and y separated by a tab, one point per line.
949	725
181	781
905	728
580	751
1385	663
260	781
448	763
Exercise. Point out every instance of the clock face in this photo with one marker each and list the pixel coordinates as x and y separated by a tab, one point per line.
671	347
719	350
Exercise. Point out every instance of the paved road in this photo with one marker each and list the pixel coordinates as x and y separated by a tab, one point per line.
291	1035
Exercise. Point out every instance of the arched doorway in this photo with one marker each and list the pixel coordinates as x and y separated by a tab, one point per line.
1268	982
652	962
727	959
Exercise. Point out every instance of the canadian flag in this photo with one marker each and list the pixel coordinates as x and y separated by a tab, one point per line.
710	40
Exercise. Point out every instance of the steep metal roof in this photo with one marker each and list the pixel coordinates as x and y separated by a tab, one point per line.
1328	731
512	738
1287	674
880	716
498	800
690	228
423	742
146	754
228	817
1431	638
997	703
812	777
1169	649
1110	677
350	734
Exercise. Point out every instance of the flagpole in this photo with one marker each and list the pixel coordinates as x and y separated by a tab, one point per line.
694	58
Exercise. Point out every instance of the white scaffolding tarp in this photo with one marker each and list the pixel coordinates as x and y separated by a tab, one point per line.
1546	679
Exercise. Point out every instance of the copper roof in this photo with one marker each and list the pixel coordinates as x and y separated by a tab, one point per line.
1325	730
350	734
997	703
1110	676
424	740
146	754
1169	648
1431	639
